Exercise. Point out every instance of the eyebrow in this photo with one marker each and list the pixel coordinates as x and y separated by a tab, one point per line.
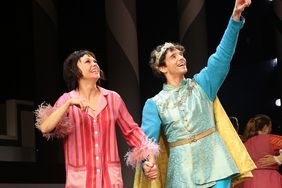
90	58
175	51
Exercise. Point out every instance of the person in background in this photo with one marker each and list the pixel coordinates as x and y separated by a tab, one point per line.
236	125
269	160
85	118
261	142
183	111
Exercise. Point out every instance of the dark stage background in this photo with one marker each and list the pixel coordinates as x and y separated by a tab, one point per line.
38	35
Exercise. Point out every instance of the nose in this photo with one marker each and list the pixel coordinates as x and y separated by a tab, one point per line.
182	58
95	63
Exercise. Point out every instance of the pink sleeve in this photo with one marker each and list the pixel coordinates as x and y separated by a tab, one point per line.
276	141
44	110
141	146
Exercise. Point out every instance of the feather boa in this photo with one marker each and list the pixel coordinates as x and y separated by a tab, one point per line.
62	129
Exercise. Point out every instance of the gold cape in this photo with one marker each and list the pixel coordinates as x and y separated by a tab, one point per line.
231	139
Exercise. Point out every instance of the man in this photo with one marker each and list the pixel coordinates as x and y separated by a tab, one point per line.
183	111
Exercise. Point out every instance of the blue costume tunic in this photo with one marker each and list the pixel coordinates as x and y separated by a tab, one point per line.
187	111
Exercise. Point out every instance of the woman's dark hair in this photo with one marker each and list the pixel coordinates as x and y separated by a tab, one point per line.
235	123
256	124
71	72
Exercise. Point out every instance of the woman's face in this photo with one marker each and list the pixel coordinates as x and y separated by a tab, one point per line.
269	128
266	129
89	67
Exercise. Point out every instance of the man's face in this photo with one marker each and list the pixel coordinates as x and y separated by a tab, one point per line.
175	64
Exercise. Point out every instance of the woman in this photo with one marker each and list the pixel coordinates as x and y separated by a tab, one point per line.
85	118
260	143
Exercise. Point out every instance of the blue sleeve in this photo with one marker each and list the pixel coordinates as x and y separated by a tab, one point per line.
151	122
212	76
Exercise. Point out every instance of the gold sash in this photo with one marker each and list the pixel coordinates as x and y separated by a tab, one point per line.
192	139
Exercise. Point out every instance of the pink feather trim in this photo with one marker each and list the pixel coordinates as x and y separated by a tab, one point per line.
62	129
137	154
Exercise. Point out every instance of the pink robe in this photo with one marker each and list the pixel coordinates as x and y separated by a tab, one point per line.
258	147
90	144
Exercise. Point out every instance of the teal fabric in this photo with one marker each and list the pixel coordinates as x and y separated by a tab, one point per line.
187	111
211	77
224	183
150	120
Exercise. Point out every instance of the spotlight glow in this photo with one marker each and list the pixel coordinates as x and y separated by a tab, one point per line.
278	102
274	62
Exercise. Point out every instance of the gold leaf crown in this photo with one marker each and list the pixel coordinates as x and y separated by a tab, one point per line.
163	49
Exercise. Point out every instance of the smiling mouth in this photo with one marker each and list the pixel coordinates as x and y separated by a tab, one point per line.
182	65
94	71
